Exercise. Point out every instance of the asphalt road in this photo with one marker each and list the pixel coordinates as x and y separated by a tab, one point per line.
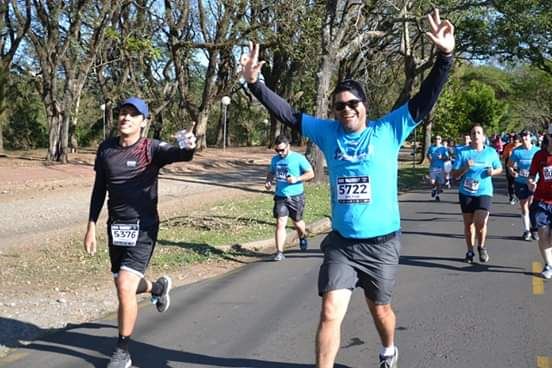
264	315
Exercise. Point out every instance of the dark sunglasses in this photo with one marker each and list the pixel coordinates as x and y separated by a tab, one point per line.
280	150
340	106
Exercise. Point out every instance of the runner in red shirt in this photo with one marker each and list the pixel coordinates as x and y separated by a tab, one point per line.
541	209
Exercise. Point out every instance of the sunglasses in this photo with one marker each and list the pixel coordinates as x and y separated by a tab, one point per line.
280	150
352	104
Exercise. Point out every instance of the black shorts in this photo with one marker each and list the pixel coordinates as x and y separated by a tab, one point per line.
522	191
371	264
292	206
133	259
470	204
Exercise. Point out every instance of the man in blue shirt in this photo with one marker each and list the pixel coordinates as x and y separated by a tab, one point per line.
437	155
290	170
363	248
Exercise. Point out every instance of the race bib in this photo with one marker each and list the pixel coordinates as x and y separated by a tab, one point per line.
354	189
547	173
471	185
124	235
281	173
524	173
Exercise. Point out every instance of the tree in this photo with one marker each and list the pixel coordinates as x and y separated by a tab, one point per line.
14	24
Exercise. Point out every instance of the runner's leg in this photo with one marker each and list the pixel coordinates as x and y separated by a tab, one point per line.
469	230
281	223
480	218
127	284
385	320
328	337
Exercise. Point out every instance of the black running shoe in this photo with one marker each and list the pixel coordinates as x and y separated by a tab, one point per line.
303	244
163	300
469	257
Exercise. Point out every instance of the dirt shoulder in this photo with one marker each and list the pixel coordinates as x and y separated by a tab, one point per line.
44	208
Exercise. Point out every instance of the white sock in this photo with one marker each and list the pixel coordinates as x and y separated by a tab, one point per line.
387	351
526	222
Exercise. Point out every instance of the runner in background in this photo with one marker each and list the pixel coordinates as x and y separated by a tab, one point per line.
290	170
518	166
475	167
540	182
437	155
515	141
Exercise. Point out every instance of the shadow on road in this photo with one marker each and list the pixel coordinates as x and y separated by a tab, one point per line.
458	236
437	262
74	343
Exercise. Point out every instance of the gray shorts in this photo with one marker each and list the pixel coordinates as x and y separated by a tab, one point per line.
292	206
371	264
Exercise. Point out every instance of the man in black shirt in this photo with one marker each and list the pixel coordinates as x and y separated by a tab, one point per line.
127	167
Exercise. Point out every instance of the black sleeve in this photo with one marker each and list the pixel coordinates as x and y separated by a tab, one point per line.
164	153
421	104
98	193
276	105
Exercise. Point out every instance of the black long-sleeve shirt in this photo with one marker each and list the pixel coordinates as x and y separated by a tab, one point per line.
419	106
130	175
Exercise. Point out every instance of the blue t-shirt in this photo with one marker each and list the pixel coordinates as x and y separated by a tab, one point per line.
460	147
294	164
438	156
522	157
363	171
476	181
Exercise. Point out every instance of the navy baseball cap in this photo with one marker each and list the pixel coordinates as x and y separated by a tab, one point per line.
138	103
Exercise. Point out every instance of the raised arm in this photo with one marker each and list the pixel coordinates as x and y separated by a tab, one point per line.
442	35
276	105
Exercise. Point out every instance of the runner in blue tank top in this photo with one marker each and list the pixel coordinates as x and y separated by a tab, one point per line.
518	166
475	167
363	248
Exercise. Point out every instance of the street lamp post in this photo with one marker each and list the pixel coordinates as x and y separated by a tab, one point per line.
102	107
225	102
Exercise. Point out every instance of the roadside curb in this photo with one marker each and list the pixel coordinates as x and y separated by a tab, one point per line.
318	227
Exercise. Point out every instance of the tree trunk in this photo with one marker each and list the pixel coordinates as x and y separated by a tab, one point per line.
201	129
315	156
2	133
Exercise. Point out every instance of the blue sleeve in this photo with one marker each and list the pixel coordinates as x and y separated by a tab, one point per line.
401	122
513	156
459	162
318	129
496	161
305	164
271	166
